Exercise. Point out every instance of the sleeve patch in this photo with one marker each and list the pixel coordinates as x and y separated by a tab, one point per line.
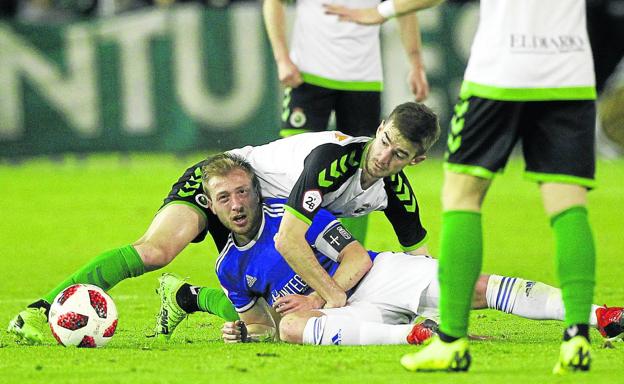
312	200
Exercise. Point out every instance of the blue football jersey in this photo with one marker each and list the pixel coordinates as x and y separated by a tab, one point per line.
257	269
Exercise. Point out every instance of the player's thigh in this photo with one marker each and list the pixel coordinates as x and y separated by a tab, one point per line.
482	135
395	285
559	141
358	112
306	108
187	191
172	229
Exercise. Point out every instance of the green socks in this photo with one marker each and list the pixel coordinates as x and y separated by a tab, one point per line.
461	254
214	300
105	271
357	226
576	263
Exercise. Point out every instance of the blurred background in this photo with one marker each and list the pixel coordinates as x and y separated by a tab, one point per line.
83	76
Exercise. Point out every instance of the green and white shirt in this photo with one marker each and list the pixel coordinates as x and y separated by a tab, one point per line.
323	170
334	54
529	50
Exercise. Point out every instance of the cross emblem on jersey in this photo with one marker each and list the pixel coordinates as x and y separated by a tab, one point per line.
334	240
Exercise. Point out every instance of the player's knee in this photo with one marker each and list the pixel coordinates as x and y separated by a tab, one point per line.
463	191
291	329
479	299
153	256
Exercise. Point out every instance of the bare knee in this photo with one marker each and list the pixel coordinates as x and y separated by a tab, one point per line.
291	328
463	192
154	256
558	197
479	299
173	228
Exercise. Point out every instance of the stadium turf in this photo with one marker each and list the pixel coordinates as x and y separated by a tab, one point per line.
54	216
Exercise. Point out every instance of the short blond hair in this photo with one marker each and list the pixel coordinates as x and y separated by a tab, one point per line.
222	164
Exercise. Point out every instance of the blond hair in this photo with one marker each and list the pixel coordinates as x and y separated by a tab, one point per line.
222	164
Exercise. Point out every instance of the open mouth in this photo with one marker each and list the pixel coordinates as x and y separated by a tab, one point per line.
240	219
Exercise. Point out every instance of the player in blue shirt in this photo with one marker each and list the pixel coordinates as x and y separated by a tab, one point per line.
256	269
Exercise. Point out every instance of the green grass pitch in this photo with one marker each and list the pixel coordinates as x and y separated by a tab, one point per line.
56	216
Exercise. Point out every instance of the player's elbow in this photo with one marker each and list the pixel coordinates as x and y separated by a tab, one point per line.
356	254
366	264
281	244
284	242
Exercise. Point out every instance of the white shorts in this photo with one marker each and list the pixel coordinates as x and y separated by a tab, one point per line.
398	288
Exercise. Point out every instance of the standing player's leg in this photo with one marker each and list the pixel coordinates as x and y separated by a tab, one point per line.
481	136
559	154
459	268
575	257
358	114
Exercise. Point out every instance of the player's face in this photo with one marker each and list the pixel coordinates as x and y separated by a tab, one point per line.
390	152
236	203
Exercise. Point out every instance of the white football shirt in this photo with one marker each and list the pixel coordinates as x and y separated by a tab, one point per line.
328	49
531	50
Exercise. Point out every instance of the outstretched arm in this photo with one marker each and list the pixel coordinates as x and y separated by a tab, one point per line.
412	43
372	16
275	24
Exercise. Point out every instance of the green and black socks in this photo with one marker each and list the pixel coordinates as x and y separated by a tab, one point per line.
109	268
461	254
105	270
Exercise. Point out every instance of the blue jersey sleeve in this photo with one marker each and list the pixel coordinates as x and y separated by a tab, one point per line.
234	286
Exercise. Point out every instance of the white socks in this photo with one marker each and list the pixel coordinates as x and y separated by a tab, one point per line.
345	330
529	299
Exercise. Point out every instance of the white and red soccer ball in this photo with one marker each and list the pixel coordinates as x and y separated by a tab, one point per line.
83	315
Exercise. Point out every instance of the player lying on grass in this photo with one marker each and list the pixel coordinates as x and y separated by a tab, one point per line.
398	288
349	176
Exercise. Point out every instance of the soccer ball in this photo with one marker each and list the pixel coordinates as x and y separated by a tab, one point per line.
83	315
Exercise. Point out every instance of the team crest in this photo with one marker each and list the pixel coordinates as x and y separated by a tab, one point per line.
202	200
297	118
311	200
340	136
